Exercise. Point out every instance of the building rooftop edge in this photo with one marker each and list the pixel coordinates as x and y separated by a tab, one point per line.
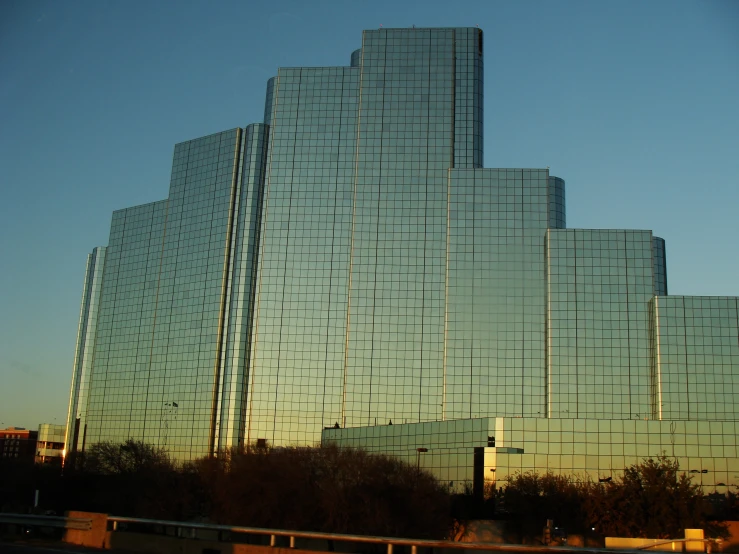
206	136
703	296
413	28
139	206
603	229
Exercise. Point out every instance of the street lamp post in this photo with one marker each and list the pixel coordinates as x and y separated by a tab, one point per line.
418	458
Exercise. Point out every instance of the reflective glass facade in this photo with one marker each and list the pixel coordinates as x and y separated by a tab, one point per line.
696	357
123	343
599	286
347	262
351	300
459	452
660	266
84	350
495	307
160	356
231	389
407	143
297	355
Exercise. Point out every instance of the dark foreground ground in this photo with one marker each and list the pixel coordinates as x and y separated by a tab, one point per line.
40	546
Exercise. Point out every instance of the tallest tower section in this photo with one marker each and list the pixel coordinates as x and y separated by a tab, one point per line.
350	305
421	95
420	100
420	84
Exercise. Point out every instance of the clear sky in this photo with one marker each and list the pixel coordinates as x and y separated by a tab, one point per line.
634	103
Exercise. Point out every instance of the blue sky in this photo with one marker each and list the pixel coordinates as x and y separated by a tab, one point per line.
635	104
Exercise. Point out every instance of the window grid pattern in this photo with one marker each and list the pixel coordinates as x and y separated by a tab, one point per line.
125	325
394	365
449	445
589	449
599	286
468	98
269	101
660	266
396	280
296	376
557	212
160	312
186	339
85	350
496	303
356	58
243	271
603	448
696	357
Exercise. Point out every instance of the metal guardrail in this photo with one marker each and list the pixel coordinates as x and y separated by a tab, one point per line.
710	543
83	524
389	542
32	520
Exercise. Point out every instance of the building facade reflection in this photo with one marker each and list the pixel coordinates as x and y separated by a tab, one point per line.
587	448
348	261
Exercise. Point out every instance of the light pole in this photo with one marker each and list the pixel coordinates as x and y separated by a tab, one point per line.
418	458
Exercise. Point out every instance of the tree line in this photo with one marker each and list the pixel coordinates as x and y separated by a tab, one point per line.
302	488
650	499
337	490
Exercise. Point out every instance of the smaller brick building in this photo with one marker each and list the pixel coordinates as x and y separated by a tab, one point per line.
19	443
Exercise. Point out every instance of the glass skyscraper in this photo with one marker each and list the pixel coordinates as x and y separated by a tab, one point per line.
347	263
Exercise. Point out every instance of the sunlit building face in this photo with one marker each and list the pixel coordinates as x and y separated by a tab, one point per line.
349	262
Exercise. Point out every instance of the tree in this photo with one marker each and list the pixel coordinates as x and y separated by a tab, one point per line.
529	499
324	489
131	456
131	479
651	499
